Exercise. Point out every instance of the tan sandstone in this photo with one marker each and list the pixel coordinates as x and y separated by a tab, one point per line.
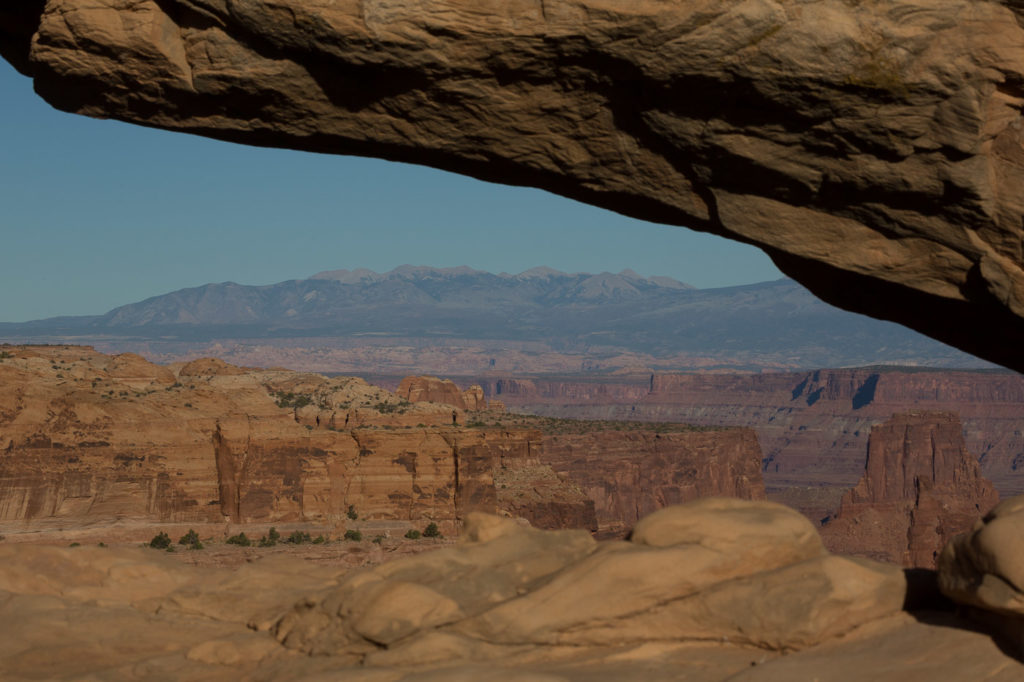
872	149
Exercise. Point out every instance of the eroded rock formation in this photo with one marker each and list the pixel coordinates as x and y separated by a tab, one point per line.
714	591
418	389
87	438
921	487
872	149
629	474
812	426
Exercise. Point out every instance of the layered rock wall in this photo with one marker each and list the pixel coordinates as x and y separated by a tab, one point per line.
87	438
631	474
813	426
422	389
921	487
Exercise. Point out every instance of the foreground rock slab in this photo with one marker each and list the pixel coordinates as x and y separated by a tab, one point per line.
710	591
872	149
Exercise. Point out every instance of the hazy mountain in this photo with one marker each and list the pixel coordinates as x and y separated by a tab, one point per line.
658	316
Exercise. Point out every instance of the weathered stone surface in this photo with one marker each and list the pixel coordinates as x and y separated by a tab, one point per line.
872	149
629	474
813	427
920	488
747	572
753	597
88	439
985	567
420	389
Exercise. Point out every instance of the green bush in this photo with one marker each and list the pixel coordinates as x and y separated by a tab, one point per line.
189	538
271	538
431	531
289	399
298	537
379	539
351	513
353	535
160	541
412	534
239	540
319	540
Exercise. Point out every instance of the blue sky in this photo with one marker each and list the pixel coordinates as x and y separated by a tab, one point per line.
96	214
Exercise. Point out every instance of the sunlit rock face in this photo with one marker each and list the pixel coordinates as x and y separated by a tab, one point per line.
872	149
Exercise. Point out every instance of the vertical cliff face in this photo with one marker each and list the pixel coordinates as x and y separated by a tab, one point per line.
418	389
630	474
812	426
920	488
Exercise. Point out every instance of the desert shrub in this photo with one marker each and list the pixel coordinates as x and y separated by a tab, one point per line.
319	540
351	513
189	538
271	538
101	544
75	544
412	534
298	537
239	540
160	541
353	535
289	399
431	531
379	539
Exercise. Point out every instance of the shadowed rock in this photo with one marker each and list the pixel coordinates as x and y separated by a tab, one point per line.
872	150
921	487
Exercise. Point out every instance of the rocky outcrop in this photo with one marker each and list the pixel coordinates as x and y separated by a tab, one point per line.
424	389
716	590
984	570
812	426
871	150
688	574
921	487
92	439
87	438
555	392
630	474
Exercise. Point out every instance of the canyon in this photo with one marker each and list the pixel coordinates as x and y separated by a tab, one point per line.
96	441
873	150
813	427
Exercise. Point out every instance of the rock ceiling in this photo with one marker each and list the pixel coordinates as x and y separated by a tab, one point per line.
872	148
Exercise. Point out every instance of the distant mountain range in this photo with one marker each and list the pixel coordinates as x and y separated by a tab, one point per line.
776	323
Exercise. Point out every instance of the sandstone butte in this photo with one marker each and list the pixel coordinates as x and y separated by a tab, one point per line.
872	149
418	389
93	442
920	489
813	426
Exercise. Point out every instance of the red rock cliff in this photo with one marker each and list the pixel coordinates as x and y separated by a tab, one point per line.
629	474
418	389
920	488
